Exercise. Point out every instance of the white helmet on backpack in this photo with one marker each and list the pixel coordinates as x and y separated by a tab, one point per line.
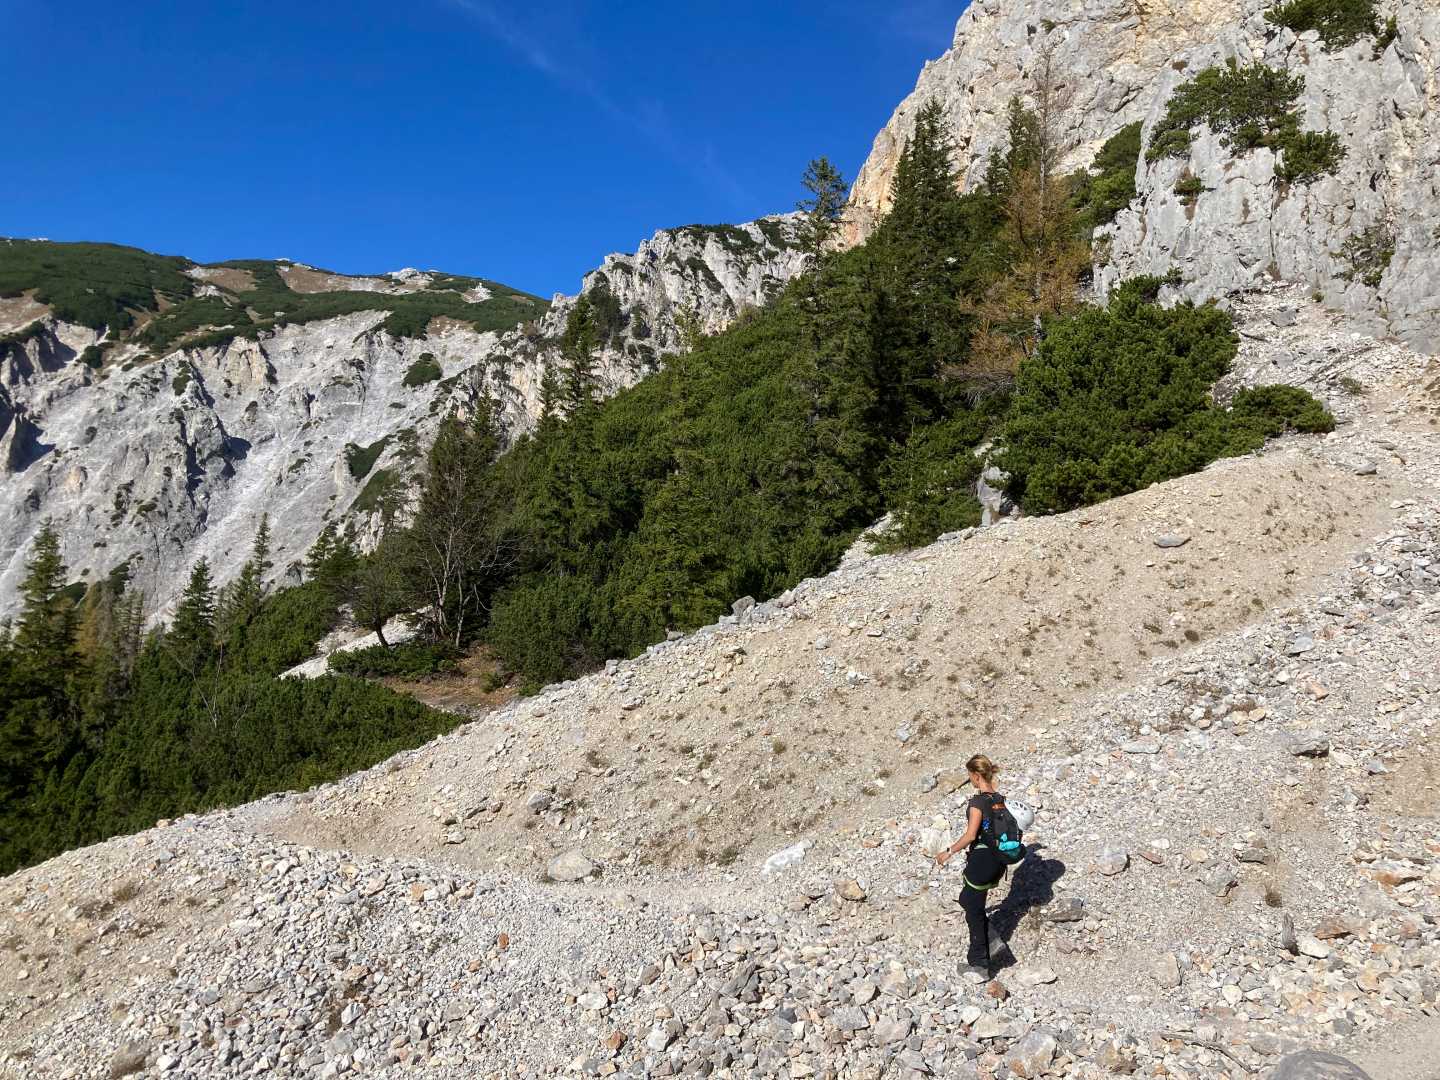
1022	813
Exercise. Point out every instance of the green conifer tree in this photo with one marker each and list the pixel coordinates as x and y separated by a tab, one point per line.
582	339
924	190
260	550
103	680
239	602
38	725
320	552
922	251
190	639
551	398
45	635
1023	150
375	587
824	208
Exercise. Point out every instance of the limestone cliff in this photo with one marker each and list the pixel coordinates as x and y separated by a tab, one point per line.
1246	227
1122	60
155	460
1109	51
715	271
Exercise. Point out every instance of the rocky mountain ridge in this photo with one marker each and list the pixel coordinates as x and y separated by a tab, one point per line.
152	456
1122	60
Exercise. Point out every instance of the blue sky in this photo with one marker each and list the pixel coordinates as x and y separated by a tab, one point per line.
515	141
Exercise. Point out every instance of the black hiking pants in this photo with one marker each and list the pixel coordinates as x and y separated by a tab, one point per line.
983	868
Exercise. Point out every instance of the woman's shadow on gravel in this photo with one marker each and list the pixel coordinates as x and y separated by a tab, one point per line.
1032	887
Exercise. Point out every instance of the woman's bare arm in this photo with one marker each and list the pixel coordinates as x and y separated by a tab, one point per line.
972	830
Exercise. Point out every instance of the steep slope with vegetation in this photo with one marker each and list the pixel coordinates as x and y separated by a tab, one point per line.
104	729
154	409
750	462
758	455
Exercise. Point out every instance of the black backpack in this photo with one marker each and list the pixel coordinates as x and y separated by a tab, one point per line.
999	831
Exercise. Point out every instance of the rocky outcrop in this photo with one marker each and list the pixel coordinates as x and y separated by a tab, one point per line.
154	462
716	270
1246	228
1109	52
1121	60
713	271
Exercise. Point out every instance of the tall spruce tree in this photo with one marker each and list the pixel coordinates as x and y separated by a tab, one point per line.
239	602
329	558
190	639
39	665
921	250
853	383
45	635
578	346
568	515
924	190
824	208
551	398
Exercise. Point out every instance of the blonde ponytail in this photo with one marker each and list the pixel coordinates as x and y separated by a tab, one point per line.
983	767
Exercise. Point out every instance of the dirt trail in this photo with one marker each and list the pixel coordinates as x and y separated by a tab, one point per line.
1410	1052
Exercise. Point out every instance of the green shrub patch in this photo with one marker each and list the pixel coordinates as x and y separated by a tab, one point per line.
1248	107
1340	23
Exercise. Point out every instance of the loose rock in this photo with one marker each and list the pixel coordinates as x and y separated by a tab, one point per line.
571	866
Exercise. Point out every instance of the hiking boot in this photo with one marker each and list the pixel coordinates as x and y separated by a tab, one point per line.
975	972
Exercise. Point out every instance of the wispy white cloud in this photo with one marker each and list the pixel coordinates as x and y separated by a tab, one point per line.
648	118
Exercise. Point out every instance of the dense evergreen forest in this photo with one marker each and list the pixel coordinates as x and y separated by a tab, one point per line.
750	462
104	728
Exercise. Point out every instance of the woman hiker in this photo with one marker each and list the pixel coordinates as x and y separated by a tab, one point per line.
984	869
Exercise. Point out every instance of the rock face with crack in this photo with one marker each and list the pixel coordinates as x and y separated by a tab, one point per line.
156	460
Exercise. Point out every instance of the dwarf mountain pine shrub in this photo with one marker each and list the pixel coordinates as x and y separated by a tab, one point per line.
1340	23
1369	254
1248	107
1118	398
